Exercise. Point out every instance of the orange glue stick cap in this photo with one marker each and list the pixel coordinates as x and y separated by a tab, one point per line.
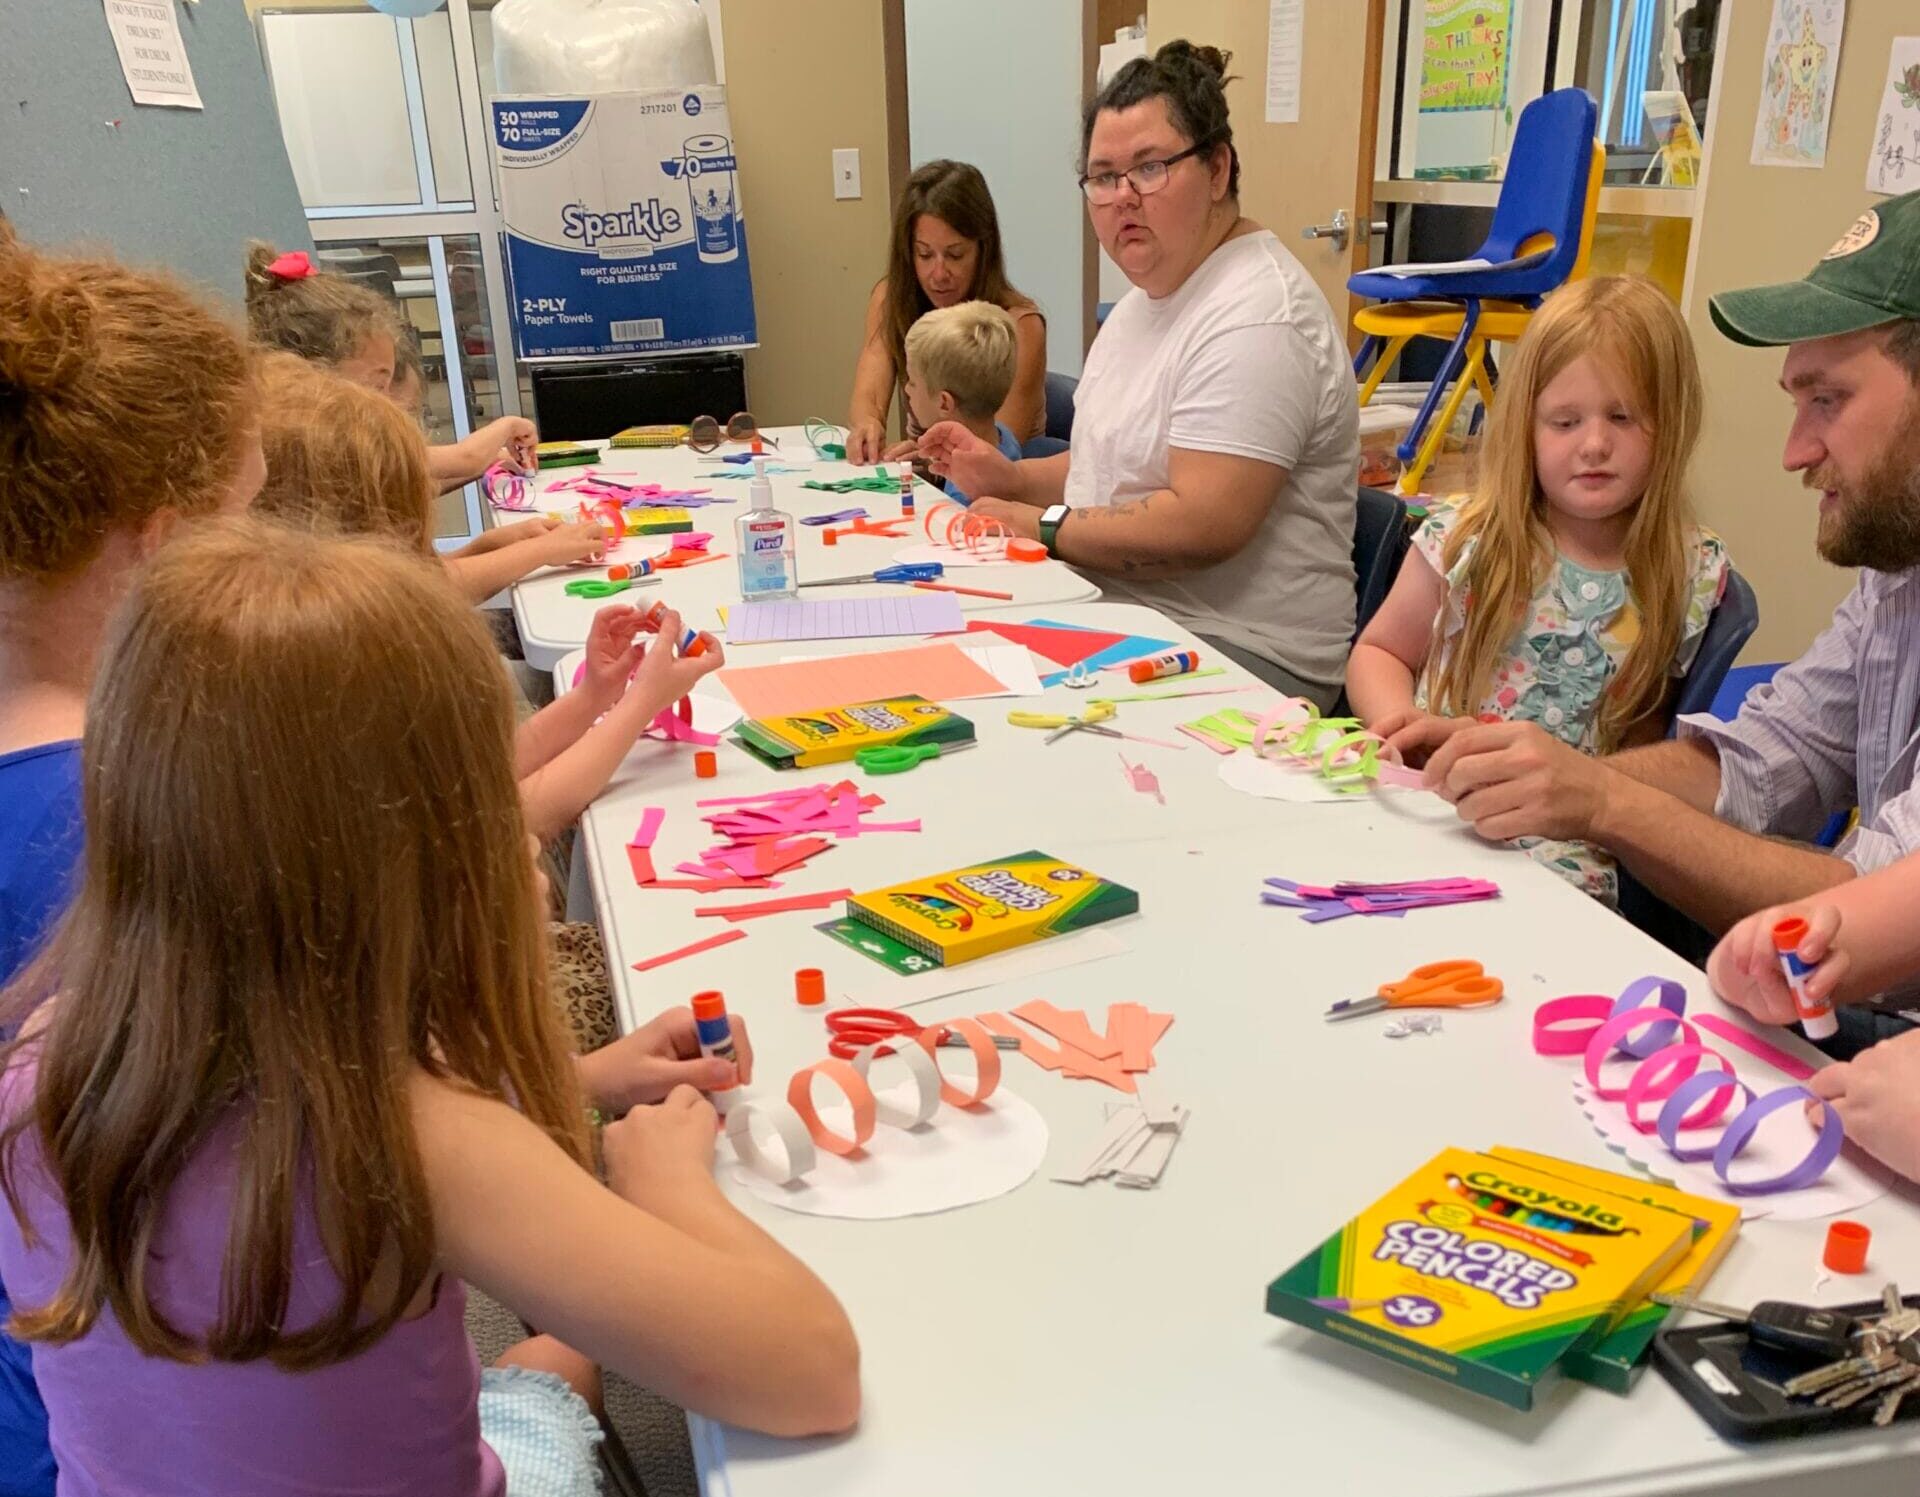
1789	933
809	987
1847	1244
706	764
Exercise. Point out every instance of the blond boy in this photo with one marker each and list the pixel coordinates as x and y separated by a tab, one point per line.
960	362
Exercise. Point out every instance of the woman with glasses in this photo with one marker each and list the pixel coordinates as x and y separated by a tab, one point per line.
945	250
1215	432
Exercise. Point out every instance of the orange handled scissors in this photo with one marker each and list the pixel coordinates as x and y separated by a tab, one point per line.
1436	985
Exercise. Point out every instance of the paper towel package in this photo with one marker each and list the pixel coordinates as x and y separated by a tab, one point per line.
624	228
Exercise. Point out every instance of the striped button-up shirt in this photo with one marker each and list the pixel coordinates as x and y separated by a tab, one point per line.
1837	728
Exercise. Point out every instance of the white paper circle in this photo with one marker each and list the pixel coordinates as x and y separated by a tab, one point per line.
966	1154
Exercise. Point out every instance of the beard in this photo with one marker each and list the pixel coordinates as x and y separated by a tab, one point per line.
1875	522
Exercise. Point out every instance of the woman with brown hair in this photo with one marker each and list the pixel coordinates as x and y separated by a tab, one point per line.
1215	428
126	407
945	249
293	1079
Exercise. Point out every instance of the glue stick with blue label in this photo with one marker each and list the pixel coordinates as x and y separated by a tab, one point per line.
906	490
1176	663
1816	1017
692	643
715	1033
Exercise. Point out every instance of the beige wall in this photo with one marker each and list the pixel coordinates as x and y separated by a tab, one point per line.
803	79
1761	224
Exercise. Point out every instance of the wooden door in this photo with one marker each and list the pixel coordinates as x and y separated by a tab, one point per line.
1297	176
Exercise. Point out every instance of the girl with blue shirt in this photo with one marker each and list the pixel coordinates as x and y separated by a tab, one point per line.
125	407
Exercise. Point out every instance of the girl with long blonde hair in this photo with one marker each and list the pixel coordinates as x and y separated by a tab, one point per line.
1573	587
292	1079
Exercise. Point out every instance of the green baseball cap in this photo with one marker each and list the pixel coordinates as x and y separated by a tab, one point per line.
1870	277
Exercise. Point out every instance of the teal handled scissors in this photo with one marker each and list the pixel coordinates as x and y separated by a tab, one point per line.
1436	985
898	758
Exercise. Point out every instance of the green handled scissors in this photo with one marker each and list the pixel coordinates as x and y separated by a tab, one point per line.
898	758
603	587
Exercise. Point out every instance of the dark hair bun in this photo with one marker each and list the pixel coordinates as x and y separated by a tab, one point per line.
1212	59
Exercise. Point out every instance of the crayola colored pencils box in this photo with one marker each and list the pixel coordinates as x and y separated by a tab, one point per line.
1485	1273
972	912
1618	1358
831	735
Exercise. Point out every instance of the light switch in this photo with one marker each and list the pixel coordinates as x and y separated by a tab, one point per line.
846	173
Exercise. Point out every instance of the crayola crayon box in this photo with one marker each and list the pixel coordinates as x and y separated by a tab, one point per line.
1486	1273
833	734
1618	1358
971	912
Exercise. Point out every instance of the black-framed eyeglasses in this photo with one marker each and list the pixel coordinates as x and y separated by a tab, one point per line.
1147	178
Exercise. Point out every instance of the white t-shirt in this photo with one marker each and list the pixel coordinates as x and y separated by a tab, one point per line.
1245	358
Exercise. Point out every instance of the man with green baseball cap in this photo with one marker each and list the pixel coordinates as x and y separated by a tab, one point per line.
1869	278
1720	821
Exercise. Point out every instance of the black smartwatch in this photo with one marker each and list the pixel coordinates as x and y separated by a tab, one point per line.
1050	519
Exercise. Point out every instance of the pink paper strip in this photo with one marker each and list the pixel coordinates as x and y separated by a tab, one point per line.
1211	742
649	828
1758	1048
754	800
775	906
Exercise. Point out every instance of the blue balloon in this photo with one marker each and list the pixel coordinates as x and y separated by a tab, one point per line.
410	10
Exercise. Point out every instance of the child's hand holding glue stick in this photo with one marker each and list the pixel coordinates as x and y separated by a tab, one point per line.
1782	966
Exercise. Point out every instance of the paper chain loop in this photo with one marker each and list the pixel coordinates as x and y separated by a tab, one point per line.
1694	1084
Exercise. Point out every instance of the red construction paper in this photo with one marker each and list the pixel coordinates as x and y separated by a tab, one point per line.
1064	647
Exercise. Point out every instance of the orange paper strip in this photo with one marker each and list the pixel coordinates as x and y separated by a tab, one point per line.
850	1081
1066	1059
738	912
641	861
1069	1026
695	949
986	1060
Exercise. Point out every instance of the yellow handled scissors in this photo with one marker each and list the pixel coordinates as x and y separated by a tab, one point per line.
1436	985
1087	722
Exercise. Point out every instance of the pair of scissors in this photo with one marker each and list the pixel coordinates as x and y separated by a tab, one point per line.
1436	985
1087	722
912	571
851	1030
898	758
604	587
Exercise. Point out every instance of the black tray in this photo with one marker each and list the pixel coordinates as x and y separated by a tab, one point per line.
1735	1386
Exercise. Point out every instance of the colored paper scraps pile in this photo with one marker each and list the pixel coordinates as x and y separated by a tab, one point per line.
1408	1025
763	835
592	486
1336	901
1133	1145
1142	779
1080	1052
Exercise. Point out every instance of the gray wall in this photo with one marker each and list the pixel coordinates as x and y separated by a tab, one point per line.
174	187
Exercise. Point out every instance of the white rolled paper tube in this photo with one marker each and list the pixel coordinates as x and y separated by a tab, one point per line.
796	1157
926	1081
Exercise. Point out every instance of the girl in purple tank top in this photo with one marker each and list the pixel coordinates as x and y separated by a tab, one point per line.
298	1080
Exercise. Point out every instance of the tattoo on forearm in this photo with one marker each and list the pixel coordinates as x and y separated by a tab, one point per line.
1099	512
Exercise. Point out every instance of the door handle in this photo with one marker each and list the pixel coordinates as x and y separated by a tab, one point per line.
1337	231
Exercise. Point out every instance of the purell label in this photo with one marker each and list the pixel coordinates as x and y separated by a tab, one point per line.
625	232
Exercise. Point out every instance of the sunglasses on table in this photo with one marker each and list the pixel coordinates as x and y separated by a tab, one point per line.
705	433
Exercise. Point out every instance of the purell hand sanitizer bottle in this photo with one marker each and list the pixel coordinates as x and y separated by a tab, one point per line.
765	535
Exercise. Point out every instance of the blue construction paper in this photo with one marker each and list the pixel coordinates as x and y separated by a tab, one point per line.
1131	648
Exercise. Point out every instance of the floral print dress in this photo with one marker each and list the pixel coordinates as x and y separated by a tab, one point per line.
1579	628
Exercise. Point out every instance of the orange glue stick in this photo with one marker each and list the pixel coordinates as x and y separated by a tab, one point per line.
1176	663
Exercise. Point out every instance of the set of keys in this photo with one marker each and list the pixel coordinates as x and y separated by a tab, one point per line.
1874	1356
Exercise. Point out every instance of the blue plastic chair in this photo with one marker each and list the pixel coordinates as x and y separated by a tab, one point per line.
1060	388
1728	631
1042	447
1541	234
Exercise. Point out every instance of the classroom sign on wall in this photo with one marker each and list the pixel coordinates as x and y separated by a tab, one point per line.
1465	45
625	232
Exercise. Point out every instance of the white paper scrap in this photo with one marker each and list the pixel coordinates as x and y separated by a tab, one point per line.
153	58
1893	158
1007	966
